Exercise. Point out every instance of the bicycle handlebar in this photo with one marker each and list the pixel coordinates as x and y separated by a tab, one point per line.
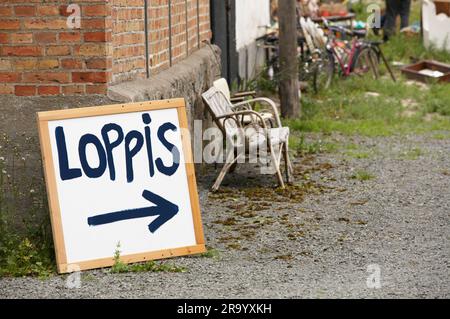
336	28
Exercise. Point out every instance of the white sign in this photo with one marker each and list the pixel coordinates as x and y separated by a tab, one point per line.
120	174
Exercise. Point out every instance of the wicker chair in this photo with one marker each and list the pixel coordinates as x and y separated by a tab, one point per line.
231	118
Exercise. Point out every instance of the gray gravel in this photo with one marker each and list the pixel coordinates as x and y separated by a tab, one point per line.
315	241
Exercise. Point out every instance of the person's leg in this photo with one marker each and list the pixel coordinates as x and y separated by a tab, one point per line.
405	6
389	21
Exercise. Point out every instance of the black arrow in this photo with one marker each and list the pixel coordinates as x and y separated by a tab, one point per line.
164	209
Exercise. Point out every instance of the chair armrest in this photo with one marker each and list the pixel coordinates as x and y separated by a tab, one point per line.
244	112
266	101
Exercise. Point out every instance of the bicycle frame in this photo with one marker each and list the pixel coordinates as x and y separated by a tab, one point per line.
350	54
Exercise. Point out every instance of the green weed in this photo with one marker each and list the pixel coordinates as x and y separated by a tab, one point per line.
357	154
211	253
26	244
412	154
362	175
299	144
149	266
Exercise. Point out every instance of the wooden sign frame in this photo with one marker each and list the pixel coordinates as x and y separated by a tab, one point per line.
51	183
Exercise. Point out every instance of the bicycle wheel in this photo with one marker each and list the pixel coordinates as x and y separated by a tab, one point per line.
323	71
305	73
365	61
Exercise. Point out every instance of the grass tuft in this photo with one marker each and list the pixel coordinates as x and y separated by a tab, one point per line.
149	266
362	175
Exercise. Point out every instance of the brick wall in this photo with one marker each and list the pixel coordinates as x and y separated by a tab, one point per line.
179	49
189	20
192	23
128	40
204	23
158	35
41	55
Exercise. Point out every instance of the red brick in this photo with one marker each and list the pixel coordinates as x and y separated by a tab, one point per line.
45	37
94	10
5	11
5	64
70	36
98	63
3	38
9	77
90	24
6	89
91	49
96	89
25	11
45	23
63	11
91	77
73	89
47	64
50	10
24	90
22	38
46	77
71	64
9	24
58	50
48	90
25	64
97	36
21	51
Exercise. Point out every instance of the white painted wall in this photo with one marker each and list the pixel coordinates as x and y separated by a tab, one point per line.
250	15
436	27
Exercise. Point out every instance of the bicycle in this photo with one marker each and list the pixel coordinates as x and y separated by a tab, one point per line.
359	56
311	63
319	61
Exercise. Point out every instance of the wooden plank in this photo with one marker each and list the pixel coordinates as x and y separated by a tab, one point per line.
52	194
190	172
110	109
142	257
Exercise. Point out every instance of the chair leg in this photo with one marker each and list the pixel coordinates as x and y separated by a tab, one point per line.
277	168
222	173
234	165
288	160
286	164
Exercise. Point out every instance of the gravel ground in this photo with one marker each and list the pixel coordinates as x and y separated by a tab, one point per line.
315	240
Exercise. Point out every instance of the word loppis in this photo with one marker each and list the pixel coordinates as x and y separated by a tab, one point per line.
131	143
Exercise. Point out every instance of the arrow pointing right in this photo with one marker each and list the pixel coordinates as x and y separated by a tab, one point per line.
164	209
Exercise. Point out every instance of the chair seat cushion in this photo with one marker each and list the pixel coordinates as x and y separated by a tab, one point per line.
255	136
246	119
